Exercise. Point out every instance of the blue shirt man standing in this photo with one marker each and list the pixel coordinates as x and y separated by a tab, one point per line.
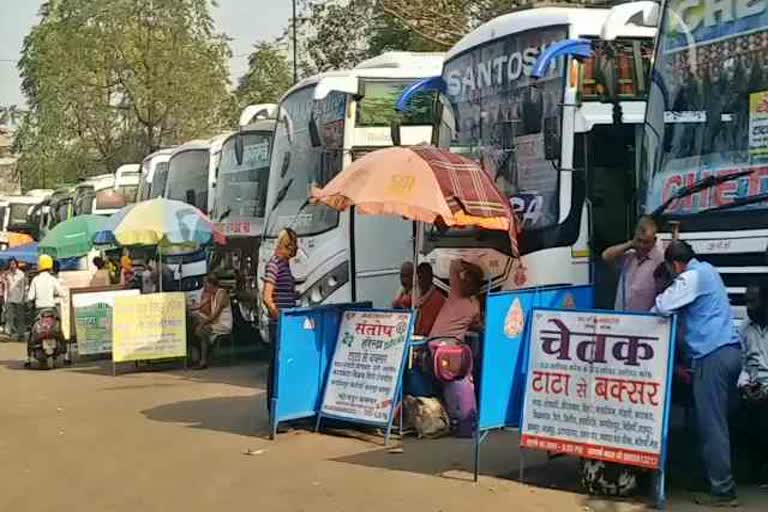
712	342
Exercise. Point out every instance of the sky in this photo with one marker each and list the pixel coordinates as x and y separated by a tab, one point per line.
244	21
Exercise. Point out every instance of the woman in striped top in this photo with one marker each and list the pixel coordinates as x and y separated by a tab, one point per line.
279	292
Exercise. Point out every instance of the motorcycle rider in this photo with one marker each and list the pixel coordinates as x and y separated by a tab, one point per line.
44	289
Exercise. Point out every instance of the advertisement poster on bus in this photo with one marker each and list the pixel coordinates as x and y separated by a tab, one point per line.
149	326
501	117
366	366
758	123
597	385
685	172
694	22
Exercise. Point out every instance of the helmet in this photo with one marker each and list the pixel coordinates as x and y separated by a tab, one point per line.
44	262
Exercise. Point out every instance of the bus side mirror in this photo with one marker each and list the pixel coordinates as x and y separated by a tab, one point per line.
551	138
314	133
394	130
239	149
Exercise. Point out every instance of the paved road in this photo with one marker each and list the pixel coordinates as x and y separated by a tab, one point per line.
174	440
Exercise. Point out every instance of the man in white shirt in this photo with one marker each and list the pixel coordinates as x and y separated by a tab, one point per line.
44	287
15	286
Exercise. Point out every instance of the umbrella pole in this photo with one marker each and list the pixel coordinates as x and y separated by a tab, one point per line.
159	269
416	246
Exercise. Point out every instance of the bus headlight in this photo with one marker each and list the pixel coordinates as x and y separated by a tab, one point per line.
326	285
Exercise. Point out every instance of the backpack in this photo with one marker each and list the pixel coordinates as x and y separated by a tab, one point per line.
450	360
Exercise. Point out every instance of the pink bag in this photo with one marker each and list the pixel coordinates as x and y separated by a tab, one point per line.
450	361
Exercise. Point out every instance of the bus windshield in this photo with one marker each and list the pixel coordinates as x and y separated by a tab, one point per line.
499	119
377	106
707	112
128	192
241	189
18	214
188	178
296	165
159	179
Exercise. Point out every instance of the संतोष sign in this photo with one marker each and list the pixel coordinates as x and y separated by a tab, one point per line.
597	385
365	371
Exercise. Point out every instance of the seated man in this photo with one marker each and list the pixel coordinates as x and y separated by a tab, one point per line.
461	310
209	326
405	296
753	380
430	301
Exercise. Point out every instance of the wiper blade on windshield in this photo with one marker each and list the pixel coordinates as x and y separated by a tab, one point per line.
703	184
744	201
282	193
225	214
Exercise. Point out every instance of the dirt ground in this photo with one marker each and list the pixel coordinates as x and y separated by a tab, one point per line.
171	439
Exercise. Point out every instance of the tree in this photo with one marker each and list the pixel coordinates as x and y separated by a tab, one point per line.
10	115
269	75
341	34
444	22
108	82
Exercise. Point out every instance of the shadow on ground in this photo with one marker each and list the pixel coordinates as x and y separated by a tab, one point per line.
248	374
241	415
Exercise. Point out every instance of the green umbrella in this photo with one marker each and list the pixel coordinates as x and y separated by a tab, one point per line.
72	238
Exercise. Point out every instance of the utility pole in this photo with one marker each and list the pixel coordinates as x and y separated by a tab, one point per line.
295	62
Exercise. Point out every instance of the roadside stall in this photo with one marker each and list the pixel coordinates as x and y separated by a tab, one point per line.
154	326
365	350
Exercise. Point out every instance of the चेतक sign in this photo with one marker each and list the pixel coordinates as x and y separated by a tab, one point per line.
597	385
366	368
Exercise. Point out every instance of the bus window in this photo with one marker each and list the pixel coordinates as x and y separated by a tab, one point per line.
377	106
631	60
159	179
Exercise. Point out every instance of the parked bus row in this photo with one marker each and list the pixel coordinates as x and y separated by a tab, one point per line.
571	147
564	148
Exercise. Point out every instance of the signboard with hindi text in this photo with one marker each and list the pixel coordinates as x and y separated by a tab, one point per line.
597	385
366	368
151	326
93	320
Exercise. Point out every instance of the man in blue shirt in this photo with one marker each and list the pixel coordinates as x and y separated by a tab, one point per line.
712	343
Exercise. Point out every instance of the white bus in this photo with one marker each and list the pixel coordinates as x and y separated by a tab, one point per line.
706	139
18	209
192	172
127	179
562	147
155	174
240	196
324	123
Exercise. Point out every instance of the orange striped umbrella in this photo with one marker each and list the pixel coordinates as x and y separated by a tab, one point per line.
425	184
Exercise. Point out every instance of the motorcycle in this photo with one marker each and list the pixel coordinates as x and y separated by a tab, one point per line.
46	341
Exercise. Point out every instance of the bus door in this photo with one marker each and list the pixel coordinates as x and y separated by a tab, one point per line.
607	154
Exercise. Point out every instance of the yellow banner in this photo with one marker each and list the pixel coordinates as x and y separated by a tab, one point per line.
149	326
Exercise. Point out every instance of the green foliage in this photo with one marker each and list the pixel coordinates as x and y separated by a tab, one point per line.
108	82
269	75
444	22
341	34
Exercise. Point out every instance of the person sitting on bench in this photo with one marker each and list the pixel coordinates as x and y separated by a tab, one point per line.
209	326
